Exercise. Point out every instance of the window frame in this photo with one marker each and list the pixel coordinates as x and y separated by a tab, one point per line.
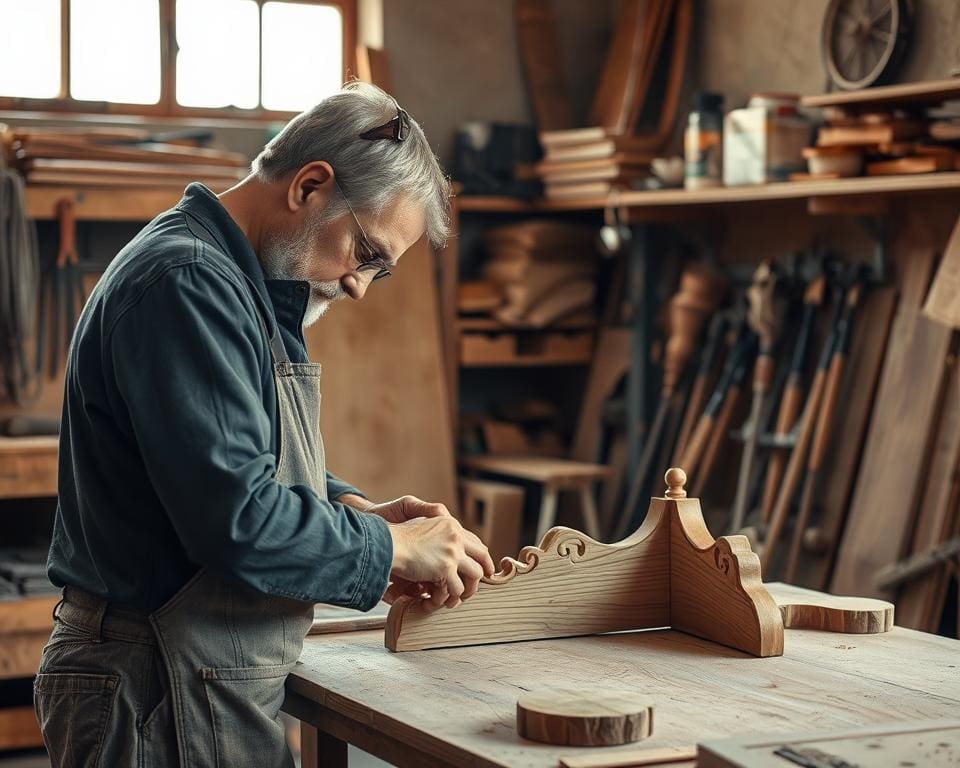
167	106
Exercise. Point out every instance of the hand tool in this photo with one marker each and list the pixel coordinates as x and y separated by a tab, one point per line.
792	393
694	449
688	310
764	321
799	453
698	393
67	283
825	422
725	414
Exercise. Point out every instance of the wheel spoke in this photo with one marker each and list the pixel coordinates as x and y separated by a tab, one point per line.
882	13
881	35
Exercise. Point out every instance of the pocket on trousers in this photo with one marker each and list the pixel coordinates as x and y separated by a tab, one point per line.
74	710
245	714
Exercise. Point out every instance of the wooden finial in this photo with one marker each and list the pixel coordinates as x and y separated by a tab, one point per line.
676	478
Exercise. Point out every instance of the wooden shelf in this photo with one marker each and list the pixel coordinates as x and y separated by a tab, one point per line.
19	729
28	467
683	198
25	627
102	203
932	93
502	349
120	204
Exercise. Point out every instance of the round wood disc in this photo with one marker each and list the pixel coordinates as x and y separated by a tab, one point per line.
584	718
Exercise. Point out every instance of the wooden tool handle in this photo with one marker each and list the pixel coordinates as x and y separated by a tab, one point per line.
694	405
67	216
717	436
794	469
831	395
698	441
763	371
688	310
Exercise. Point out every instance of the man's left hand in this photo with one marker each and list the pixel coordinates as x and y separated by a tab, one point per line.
407	508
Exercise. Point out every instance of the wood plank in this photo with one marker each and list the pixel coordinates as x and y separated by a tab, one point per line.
867	352
933	744
101	204
540	51
888	484
610	363
929	93
384	388
29	614
20	654
920	601
19	728
28	468
943	302
611	104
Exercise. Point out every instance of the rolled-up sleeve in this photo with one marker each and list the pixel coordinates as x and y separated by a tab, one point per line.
337	487
188	359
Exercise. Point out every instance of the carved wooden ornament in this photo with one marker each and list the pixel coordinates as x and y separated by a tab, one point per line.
671	573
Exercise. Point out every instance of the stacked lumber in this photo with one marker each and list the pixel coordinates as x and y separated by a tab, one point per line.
108	157
614	153
544	271
885	141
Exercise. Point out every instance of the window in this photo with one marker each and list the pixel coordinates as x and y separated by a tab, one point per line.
259	58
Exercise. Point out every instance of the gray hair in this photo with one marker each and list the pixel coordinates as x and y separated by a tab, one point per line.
371	174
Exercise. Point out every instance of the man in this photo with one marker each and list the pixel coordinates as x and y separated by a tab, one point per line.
197	524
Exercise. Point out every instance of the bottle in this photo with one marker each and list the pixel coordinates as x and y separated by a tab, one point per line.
703	142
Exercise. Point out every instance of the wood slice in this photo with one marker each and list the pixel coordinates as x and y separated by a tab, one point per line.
584	718
852	615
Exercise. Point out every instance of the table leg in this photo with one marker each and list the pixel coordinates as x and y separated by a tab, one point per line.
319	749
588	508
548	510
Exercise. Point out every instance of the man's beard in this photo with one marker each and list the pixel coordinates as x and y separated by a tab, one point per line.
283	259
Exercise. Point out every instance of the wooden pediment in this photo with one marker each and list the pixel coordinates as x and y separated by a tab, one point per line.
670	573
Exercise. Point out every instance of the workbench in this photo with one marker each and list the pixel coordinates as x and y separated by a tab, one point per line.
456	707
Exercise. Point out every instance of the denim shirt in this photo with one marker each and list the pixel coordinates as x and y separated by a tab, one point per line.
169	433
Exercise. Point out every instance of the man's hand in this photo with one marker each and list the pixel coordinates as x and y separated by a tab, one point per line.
436	555
407	508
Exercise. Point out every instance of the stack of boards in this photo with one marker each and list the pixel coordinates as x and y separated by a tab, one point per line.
117	157
591	162
889	128
536	273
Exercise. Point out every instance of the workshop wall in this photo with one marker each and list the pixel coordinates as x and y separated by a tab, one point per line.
434	49
770	45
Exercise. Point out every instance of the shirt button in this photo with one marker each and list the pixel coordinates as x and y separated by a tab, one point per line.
301	288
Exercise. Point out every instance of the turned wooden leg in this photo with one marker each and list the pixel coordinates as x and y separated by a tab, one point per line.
588	508
548	510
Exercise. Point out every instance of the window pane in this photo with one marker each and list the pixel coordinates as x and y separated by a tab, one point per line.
217	61
115	50
302	54
30	52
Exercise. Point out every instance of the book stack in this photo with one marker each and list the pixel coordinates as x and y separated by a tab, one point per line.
544	270
591	162
119	157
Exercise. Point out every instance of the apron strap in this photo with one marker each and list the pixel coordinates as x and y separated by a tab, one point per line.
277	350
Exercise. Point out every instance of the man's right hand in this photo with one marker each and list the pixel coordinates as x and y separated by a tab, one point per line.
438	554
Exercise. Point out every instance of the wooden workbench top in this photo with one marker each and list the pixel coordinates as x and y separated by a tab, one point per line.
457	706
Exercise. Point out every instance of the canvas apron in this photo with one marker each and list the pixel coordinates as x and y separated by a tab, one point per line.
228	648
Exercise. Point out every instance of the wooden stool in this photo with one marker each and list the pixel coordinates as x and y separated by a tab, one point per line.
554	475
493	511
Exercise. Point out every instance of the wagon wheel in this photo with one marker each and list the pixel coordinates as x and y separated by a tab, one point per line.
863	41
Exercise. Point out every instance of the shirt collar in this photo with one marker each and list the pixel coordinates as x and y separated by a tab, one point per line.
287	298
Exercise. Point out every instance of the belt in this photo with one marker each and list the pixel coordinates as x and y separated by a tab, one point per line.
86	612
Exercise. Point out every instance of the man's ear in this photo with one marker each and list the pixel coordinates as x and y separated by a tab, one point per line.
311	186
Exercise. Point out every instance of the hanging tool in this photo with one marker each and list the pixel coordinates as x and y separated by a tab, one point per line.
694	449
688	310
764	321
19	277
67	284
825	422
698	393
799	454
724	415
792	394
